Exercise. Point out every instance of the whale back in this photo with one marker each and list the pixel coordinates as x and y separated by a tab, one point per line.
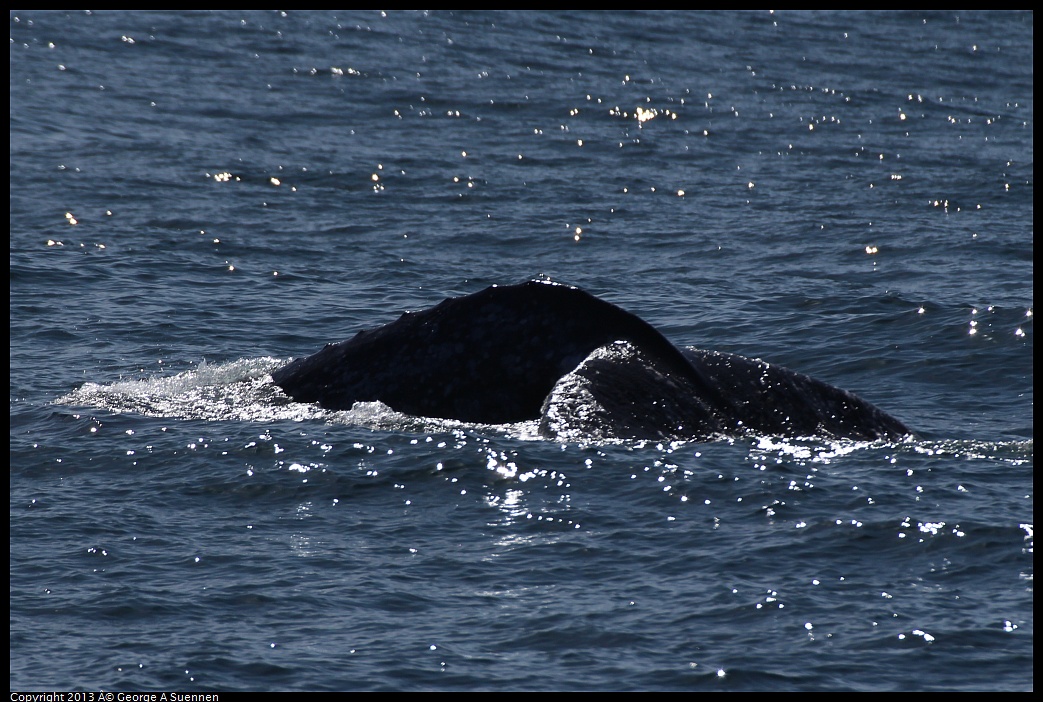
490	357
581	366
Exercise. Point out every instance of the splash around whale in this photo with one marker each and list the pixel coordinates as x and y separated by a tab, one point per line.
582	367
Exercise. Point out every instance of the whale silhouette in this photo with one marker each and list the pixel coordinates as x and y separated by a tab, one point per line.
581	366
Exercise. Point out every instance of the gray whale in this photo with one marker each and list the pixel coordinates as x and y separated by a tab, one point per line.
581	366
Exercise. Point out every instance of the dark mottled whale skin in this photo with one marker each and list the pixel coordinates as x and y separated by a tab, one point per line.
581	366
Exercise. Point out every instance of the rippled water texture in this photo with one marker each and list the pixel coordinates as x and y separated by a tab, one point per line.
197	197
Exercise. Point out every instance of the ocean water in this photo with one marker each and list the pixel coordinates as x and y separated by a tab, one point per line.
198	197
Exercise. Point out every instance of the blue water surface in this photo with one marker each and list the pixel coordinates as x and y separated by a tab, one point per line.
197	197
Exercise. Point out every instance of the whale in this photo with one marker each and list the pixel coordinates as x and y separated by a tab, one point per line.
579	366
